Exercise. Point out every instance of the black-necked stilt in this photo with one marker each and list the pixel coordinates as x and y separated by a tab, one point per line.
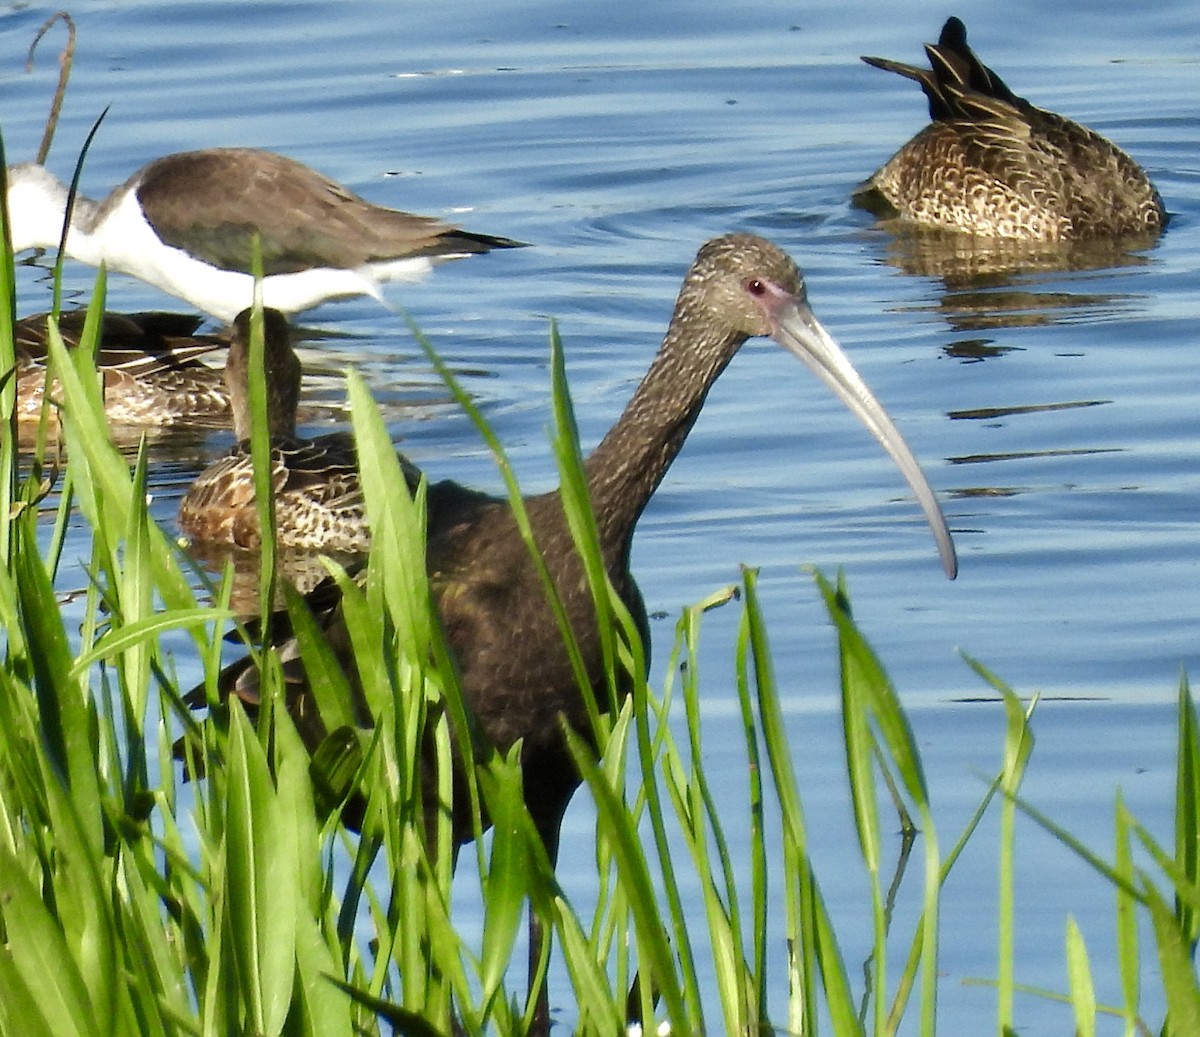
186	222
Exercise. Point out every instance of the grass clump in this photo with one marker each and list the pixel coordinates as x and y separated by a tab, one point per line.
241	903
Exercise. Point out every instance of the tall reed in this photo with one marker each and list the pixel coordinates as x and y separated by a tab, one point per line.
133	903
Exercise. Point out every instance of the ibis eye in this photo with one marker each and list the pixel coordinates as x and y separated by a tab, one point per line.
755	287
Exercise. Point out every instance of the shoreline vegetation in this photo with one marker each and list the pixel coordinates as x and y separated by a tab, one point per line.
135	901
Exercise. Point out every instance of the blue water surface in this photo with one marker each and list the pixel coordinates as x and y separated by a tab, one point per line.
1054	411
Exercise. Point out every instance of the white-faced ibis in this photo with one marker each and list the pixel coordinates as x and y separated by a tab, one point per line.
150	364
318	499
186	224
517	679
992	164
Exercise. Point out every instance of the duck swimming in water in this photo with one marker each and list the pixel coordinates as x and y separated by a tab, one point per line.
318	500
150	365
992	164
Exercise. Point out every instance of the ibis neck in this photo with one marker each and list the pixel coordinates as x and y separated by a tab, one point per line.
626	468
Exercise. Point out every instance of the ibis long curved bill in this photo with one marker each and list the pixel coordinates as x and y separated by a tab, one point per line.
798	331
519	681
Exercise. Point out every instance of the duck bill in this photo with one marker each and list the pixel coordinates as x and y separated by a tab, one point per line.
799	331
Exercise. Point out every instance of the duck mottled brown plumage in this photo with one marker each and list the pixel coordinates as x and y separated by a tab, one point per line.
992	164
318	499
150	364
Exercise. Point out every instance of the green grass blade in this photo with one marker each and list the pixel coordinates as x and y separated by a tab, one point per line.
8	388
798	881
1075	845
65	709
861	755
1018	744
324	1009
105	488
600	1010
508	872
812	941
870	683
20	1005
892	723
326	679
521	517
128	635
656	955
739	987
260	444
1079	975
585	533
759	872
1128	954
397	579
40	969
402	1020
1187	808
1178	972
260	878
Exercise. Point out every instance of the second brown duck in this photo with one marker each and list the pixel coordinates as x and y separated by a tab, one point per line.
318	499
150	363
992	164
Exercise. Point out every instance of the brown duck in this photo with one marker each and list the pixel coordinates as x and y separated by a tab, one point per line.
992	164
318	500
150	364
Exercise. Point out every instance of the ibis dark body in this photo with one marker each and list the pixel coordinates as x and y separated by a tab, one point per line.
516	676
991	164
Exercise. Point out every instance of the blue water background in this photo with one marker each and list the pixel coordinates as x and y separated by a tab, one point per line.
617	139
